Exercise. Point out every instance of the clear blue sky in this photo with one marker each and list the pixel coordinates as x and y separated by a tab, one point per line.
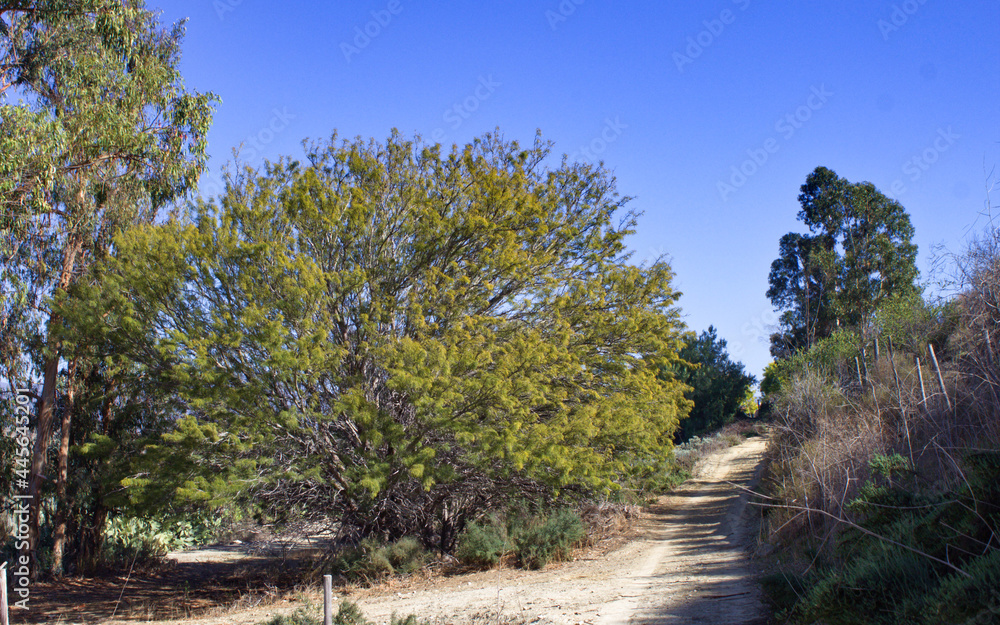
674	99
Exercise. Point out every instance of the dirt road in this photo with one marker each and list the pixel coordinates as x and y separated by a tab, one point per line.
687	566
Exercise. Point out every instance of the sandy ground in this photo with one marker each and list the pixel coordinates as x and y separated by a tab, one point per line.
686	565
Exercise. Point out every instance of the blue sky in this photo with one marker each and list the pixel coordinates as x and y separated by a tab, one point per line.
710	114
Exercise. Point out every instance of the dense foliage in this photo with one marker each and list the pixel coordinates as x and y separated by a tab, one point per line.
719	386
399	338
882	469
857	255
930	561
385	336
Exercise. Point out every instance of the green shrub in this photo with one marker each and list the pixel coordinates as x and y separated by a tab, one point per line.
975	599
889	466
130	540
349	614
483	545
553	539
830	354
406	555
372	561
144	541
883	585
649	478
873	581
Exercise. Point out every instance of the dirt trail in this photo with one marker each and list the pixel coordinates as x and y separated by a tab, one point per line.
687	566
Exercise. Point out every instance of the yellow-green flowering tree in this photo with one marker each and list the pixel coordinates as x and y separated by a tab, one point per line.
397	338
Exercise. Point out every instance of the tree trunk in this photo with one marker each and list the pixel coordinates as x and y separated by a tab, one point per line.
92	535
46	406
92	539
62	505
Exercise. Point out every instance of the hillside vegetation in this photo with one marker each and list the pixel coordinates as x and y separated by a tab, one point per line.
883	485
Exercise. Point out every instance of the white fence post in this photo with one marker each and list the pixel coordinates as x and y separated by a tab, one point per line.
327	600
4	617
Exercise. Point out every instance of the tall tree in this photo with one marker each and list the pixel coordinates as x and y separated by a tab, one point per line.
397	338
719	386
858	254
803	283
103	135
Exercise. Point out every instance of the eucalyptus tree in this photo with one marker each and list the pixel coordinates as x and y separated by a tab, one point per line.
858	254
98	133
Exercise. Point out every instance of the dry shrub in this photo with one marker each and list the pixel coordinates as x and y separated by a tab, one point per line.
825	437
606	520
975	340
836	430
815	437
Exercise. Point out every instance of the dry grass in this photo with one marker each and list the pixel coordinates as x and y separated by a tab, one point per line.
607	520
829	429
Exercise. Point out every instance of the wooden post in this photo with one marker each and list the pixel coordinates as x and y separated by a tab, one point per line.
878	411
328	600
989	346
857	364
899	398
864	361
920	374
937	368
4	617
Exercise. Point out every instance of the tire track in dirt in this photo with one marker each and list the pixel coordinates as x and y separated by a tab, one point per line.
688	565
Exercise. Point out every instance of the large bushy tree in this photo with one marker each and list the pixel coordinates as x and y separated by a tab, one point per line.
858	253
719	386
397	338
97	132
